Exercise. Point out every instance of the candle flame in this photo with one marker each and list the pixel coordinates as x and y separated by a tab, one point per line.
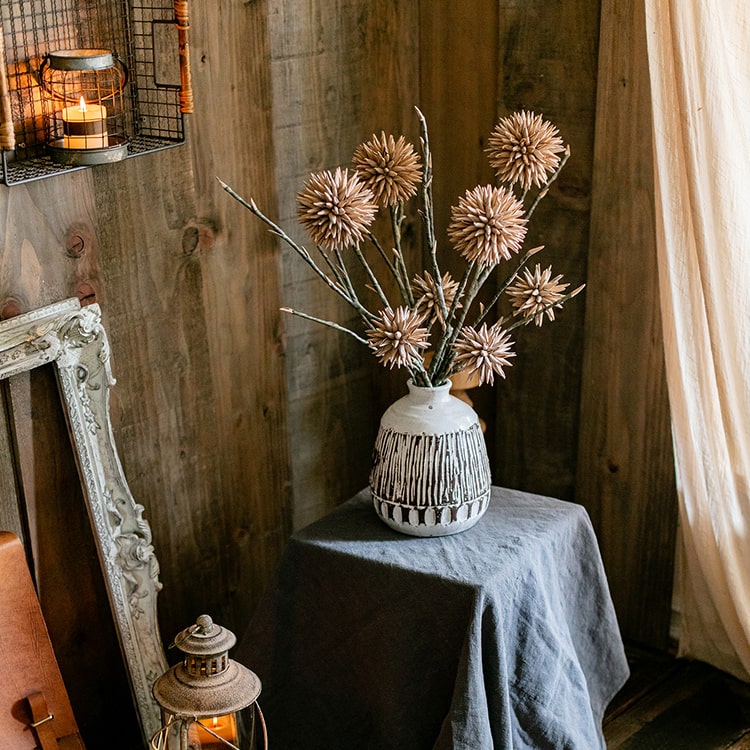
83	104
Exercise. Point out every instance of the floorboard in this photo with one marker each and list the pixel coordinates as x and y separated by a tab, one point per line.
675	704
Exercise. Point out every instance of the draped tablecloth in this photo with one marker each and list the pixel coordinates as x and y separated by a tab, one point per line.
502	636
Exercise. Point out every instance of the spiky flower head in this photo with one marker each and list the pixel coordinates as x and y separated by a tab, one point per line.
537	293
485	351
524	148
397	337
426	294
389	167
336	208
487	225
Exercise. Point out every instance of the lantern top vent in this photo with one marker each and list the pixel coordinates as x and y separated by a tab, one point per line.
205	638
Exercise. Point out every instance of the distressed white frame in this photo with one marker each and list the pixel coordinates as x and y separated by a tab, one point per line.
73	339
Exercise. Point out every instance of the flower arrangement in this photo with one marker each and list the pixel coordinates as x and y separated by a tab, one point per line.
428	331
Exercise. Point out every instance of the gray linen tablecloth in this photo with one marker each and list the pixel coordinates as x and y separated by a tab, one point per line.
503	636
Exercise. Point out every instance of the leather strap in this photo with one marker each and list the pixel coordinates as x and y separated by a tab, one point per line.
42	722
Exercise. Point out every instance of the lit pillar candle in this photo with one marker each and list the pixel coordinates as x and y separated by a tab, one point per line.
224	726
85	126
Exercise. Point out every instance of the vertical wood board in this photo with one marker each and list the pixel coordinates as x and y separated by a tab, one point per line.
625	468
209	438
458	69
10	495
547	65
340	72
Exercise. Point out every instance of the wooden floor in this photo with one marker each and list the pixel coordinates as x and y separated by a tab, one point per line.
672	704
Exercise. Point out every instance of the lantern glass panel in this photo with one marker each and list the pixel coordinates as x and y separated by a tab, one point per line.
207	734
241	729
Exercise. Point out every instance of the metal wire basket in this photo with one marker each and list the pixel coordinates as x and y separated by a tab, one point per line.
50	45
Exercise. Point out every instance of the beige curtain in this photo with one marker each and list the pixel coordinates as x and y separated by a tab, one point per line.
699	61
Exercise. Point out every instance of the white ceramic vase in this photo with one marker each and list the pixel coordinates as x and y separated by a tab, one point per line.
430	474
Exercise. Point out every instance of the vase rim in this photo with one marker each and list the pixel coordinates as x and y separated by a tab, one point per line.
444	386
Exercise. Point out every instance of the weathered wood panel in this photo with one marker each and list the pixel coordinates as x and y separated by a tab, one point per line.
625	468
340	72
548	55
458	69
10	501
192	306
670	703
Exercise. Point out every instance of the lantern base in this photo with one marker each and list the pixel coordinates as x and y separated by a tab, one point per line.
86	157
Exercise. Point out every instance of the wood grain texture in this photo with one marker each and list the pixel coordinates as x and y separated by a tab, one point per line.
194	327
547	64
671	703
458	69
340	71
625	467
11	501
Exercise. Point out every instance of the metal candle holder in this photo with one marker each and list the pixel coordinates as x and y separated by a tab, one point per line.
208	701
84	106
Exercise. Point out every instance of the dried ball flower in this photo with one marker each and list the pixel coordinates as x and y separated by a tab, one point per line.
524	148
336	208
427	297
537	293
487	225
389	167
485	352
397	337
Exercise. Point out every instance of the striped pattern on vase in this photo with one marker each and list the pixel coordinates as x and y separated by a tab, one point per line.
431	481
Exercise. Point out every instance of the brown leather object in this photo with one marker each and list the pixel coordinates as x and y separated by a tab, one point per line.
28	662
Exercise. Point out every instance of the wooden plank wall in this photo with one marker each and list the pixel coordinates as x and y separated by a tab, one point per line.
549	65
235	425
459	68
583	414
341	71
626	469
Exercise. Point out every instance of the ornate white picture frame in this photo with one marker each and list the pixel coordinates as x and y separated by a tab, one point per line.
73	339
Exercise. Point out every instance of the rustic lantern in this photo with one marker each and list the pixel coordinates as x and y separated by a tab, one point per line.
208	701
84	106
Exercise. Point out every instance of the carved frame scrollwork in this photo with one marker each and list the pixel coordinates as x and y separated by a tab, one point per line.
73	339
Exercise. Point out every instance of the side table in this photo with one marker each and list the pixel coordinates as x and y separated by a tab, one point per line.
503	636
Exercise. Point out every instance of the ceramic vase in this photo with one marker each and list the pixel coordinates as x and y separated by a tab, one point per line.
430	474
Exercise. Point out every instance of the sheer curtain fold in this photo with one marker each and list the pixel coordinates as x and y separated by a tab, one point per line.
699	62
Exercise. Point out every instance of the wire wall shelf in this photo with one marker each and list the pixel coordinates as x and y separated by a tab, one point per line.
149	38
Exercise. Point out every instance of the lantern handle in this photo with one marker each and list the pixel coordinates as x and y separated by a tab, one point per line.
183	635
262	725
124	72
40	73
